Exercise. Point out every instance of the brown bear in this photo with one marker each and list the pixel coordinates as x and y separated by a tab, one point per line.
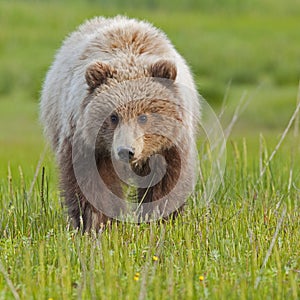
120	108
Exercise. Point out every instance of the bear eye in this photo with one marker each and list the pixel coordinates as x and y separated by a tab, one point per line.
114	119
142	119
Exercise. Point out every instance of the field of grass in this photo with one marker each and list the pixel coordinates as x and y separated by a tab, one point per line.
243	244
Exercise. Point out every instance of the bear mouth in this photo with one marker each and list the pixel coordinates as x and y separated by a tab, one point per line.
141	166
138	163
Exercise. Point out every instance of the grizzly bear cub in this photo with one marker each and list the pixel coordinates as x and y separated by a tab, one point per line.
120	108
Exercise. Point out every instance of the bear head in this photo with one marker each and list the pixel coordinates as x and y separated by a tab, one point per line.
134	119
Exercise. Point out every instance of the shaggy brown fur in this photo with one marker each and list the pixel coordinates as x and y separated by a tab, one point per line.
120	82
85	215
81	210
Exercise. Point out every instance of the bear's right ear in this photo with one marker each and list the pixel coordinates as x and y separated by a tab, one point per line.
97	74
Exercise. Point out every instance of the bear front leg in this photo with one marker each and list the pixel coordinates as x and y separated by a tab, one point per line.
175	164
82	213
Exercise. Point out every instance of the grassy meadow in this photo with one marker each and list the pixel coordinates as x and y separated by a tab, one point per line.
243	244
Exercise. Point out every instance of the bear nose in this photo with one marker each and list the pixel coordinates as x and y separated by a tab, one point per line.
125	153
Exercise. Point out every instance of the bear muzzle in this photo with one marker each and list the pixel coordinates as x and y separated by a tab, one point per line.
125	153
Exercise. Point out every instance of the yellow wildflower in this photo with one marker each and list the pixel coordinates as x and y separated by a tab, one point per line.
136	276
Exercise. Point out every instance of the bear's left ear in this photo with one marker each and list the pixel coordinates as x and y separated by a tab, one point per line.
163	69
97	74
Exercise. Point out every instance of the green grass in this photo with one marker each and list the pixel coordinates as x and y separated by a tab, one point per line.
245	242
225	241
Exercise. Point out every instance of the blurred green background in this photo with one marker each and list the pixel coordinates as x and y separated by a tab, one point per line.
234	48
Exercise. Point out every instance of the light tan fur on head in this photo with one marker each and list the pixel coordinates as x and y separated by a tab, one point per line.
99	73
